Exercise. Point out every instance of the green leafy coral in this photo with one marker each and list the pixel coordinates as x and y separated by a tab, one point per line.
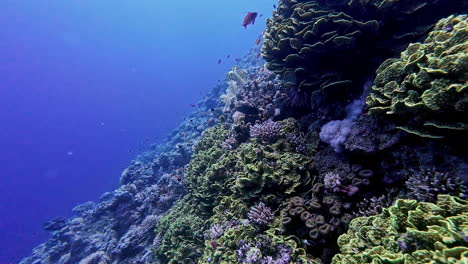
427	86
409	232
210	222
181	234
306	43
250	171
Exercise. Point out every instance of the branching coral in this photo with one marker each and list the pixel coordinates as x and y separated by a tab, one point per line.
426	87
424	185
409	232
260	214
267	131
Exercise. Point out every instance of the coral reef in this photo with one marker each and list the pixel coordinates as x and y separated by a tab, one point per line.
306	42
267	131
260	214
424	185
272	169
409	232
181	231
119	227
425	89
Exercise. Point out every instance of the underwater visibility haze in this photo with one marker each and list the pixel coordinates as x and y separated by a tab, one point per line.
88	85
234	132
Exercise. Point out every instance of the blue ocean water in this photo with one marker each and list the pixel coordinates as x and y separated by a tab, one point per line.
86	85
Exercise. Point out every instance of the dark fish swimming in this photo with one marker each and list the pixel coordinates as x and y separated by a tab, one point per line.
249	19
219	61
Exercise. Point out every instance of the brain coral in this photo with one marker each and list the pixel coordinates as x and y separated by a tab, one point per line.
305	42
409	232
426	87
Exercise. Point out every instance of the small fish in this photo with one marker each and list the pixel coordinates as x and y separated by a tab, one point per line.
237	59
249	19
260	15
192	105
228	56
258	55
274	6
219	61
258	42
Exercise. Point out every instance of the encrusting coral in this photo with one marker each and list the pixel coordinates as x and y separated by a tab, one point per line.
409	232
426	88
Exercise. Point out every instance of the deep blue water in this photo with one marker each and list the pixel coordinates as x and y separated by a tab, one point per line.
85	85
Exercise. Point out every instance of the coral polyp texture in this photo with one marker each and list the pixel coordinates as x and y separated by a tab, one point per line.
409	232
427	85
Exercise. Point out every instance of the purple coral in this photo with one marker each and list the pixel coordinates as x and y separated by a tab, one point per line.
260	214
426	184
267	131
373	205
230	143
216	231
284	256
331	180
298	141
247	254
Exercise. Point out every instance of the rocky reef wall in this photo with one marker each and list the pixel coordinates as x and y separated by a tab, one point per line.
347	146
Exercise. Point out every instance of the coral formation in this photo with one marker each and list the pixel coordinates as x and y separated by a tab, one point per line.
426	87
271	169
181	231
409	232
306	42
267	131
425	184
260	214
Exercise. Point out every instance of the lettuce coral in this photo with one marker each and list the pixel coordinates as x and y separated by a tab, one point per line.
222	184
306	42
181	233
426	88
409	232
